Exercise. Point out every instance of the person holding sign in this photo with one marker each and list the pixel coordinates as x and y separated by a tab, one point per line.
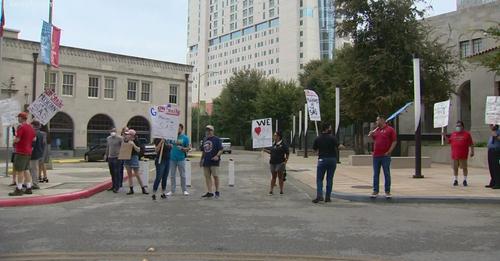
494	157
279	157
162	162
460	141
326	146
129	152
384	138
210	160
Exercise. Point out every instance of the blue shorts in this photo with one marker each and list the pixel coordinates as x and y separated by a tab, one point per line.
133	162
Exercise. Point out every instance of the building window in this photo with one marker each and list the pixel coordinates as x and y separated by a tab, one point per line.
109	88
464	49
52	81
172	98
477	45
93	87
68	84
146	92
132	91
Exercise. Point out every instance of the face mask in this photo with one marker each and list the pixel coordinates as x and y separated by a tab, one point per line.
113	134
458	128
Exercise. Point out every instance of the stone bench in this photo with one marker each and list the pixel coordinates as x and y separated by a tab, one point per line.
396	162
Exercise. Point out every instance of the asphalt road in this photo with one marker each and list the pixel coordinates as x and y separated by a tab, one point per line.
247	224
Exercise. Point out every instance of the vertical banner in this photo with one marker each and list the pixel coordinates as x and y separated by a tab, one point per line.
262	133
416	82
441	114
492	110
164	121
45	43
313	105
54	51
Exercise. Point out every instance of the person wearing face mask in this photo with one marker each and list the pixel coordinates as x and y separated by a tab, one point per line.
494	157
326	146
113	144
460	141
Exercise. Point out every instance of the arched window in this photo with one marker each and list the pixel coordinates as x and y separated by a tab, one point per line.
98	129
141	126
61	132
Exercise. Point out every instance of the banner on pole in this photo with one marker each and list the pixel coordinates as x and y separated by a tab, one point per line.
313	105
54	51
45	43
46	106
262	133
441	114
165	121
9	108
2	18
492	111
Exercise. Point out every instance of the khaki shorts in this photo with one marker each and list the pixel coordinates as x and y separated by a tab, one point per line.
21	162
462	163
212	170
280	167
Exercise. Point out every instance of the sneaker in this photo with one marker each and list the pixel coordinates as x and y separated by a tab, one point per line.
465	183
46	180
186	193
153	197
374	195
217	194
169	193
163	196
455	183
388	195
12	184
208	195
28	191
16	192
316	200
488	186
281	193
328	199
270	193
496	187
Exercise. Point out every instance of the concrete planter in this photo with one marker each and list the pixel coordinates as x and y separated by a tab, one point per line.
442	154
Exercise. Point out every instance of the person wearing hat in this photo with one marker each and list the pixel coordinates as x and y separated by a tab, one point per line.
132	164
22	143
38	147
210	160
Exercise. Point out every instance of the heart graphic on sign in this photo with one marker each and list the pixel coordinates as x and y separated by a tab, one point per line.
258	130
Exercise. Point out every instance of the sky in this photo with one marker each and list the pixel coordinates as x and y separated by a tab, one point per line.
155	29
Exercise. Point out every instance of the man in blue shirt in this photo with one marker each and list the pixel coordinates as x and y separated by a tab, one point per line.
494	157
210	160
178	161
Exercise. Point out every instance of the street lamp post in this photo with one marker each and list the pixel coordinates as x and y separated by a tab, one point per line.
199	107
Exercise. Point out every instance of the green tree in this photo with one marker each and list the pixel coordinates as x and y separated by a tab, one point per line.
376	72
491	59
235	108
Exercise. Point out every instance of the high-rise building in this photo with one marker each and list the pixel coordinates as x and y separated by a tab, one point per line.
276	37
468	3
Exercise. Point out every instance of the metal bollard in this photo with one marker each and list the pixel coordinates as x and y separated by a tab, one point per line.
231	173
188	173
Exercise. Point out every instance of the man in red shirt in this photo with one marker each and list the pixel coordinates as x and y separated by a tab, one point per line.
460	141
23	146
384	138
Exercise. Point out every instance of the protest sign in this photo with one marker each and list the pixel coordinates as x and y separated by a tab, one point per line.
313	105
165	121
9	108
45	106
492	111
262	133
441	114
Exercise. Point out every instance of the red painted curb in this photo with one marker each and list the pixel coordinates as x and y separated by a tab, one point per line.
51	199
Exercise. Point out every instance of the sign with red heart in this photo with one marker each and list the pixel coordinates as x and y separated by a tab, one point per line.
258	130
262	133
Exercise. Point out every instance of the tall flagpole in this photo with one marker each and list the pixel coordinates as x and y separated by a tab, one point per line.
47	82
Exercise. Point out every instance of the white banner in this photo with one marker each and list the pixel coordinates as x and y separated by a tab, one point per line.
492	111
164	121
262	133
45	106
313	105
441	114
9	108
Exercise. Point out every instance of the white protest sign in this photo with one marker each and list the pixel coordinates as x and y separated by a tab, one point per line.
492	111
9	108
164	121
262	133
45	106
313	105
441	114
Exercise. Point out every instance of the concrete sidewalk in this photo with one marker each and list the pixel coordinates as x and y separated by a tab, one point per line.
355	183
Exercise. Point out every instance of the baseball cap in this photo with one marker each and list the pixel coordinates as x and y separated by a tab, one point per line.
23	115
130	132
210	127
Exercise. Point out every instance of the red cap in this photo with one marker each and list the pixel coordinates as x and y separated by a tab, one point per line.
23	115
